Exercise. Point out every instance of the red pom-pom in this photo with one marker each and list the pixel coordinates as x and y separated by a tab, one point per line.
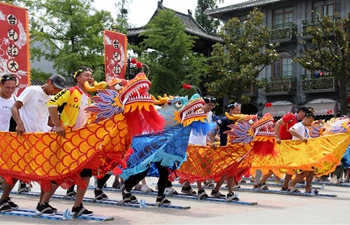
133	61
139	65
268	104
186	86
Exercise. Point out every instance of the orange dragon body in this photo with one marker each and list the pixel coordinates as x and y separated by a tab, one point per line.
100	146
322	153
249	137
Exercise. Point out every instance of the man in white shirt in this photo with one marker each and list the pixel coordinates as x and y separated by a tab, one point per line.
30	111
201	139
299	131
7	88
31	114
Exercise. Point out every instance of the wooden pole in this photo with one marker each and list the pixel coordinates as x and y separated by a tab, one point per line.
114	27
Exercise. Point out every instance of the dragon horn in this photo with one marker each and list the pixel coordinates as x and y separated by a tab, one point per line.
235	116
97	86
160	100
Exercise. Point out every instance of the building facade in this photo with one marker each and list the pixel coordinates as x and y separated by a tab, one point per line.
289	85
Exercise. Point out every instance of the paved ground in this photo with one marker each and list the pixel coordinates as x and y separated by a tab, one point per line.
272	209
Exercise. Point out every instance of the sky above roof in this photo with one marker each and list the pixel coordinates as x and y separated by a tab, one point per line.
140	11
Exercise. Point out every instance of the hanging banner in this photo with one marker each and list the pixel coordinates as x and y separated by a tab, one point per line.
14	44
115	54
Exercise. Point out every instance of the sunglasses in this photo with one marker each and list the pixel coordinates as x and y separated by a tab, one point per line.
311	110
235	104
310	114
209	99
81	70
5	78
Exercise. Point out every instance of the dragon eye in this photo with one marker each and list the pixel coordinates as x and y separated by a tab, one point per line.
118	86
178	104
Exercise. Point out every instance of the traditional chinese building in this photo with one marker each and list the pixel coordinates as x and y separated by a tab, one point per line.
205	39
287	84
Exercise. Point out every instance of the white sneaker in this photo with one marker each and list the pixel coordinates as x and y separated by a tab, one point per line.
232	197
145	188
236	187
170	191
137	187
334	180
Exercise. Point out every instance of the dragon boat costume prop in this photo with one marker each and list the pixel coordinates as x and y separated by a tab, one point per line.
100	146
169	146
322	153
248	137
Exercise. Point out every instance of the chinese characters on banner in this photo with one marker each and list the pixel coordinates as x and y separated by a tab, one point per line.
14	43
115	54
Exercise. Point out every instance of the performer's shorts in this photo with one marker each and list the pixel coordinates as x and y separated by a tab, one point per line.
86	173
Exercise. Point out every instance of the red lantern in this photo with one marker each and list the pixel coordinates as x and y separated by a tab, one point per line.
133	60
138	64
186	86
268	104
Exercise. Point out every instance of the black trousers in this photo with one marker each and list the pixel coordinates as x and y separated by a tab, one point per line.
162	181
101	181
338	171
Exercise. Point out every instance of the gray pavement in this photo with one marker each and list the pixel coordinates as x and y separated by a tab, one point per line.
271	209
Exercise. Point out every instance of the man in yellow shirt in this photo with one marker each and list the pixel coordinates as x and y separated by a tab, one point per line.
71	103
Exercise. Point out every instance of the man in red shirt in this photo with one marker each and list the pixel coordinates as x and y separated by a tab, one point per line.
282	127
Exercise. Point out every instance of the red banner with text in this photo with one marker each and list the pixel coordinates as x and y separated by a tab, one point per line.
14	44
115	45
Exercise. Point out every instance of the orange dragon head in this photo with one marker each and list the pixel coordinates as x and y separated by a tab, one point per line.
260	133
130	98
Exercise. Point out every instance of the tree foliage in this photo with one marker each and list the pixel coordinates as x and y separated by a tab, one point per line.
238	60
329	51
209	23
122	16
74	28
39	74
167	50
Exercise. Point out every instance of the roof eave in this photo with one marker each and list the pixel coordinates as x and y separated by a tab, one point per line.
239	6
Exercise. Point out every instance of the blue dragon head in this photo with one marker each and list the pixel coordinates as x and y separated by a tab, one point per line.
181	110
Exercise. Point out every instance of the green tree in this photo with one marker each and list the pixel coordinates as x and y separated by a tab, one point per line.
122	16
167	50
39	74
75	28
329	51
207	22
244	53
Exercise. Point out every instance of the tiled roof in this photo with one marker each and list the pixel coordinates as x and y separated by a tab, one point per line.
246	4
192	27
